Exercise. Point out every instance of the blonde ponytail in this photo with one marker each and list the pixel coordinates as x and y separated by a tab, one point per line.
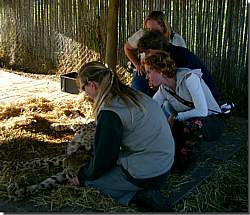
109	86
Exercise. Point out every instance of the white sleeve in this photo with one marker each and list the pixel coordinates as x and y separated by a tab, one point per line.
194	87
134	39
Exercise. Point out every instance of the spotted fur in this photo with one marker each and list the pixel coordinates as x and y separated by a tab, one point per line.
83	138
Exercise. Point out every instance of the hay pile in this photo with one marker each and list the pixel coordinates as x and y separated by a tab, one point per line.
26	135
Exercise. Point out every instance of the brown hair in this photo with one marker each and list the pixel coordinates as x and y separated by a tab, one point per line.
160	18
161	61
152	40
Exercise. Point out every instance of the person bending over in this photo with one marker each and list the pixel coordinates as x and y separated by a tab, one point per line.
175	83
155	21
133	148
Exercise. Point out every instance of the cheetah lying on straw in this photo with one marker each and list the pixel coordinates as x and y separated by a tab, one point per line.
83	138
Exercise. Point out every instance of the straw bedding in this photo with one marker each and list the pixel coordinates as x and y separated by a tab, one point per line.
28	133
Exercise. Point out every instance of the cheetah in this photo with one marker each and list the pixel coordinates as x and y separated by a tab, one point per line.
83	138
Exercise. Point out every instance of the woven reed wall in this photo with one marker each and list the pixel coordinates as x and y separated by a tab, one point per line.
50	36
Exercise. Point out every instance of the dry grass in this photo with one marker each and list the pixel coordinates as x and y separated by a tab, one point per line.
25	134
226	191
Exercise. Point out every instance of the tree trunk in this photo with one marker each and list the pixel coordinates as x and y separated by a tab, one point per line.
112	31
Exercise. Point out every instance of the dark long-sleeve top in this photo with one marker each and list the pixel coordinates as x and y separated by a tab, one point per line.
185	58
108	138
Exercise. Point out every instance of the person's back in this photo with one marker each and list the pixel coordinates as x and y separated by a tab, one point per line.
182	56
185	58
148	145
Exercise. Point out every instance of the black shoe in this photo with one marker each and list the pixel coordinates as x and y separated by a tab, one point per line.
151	200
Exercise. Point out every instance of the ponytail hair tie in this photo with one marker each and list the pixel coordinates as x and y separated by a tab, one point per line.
111	72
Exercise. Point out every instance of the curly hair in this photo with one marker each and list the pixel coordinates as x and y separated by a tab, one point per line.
161	61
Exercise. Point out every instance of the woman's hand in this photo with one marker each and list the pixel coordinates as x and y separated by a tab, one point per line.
74	181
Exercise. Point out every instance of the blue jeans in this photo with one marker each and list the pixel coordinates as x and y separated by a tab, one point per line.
139	82
122	190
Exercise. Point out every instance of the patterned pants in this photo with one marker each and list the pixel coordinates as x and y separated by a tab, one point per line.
188	137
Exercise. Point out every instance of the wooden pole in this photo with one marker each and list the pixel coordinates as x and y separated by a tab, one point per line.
112	33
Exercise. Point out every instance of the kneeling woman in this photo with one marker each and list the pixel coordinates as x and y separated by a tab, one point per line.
133	148
183	95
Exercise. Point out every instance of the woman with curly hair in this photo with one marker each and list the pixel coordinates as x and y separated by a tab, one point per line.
183	95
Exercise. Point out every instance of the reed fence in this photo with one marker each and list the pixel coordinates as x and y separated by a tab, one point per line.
58	36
